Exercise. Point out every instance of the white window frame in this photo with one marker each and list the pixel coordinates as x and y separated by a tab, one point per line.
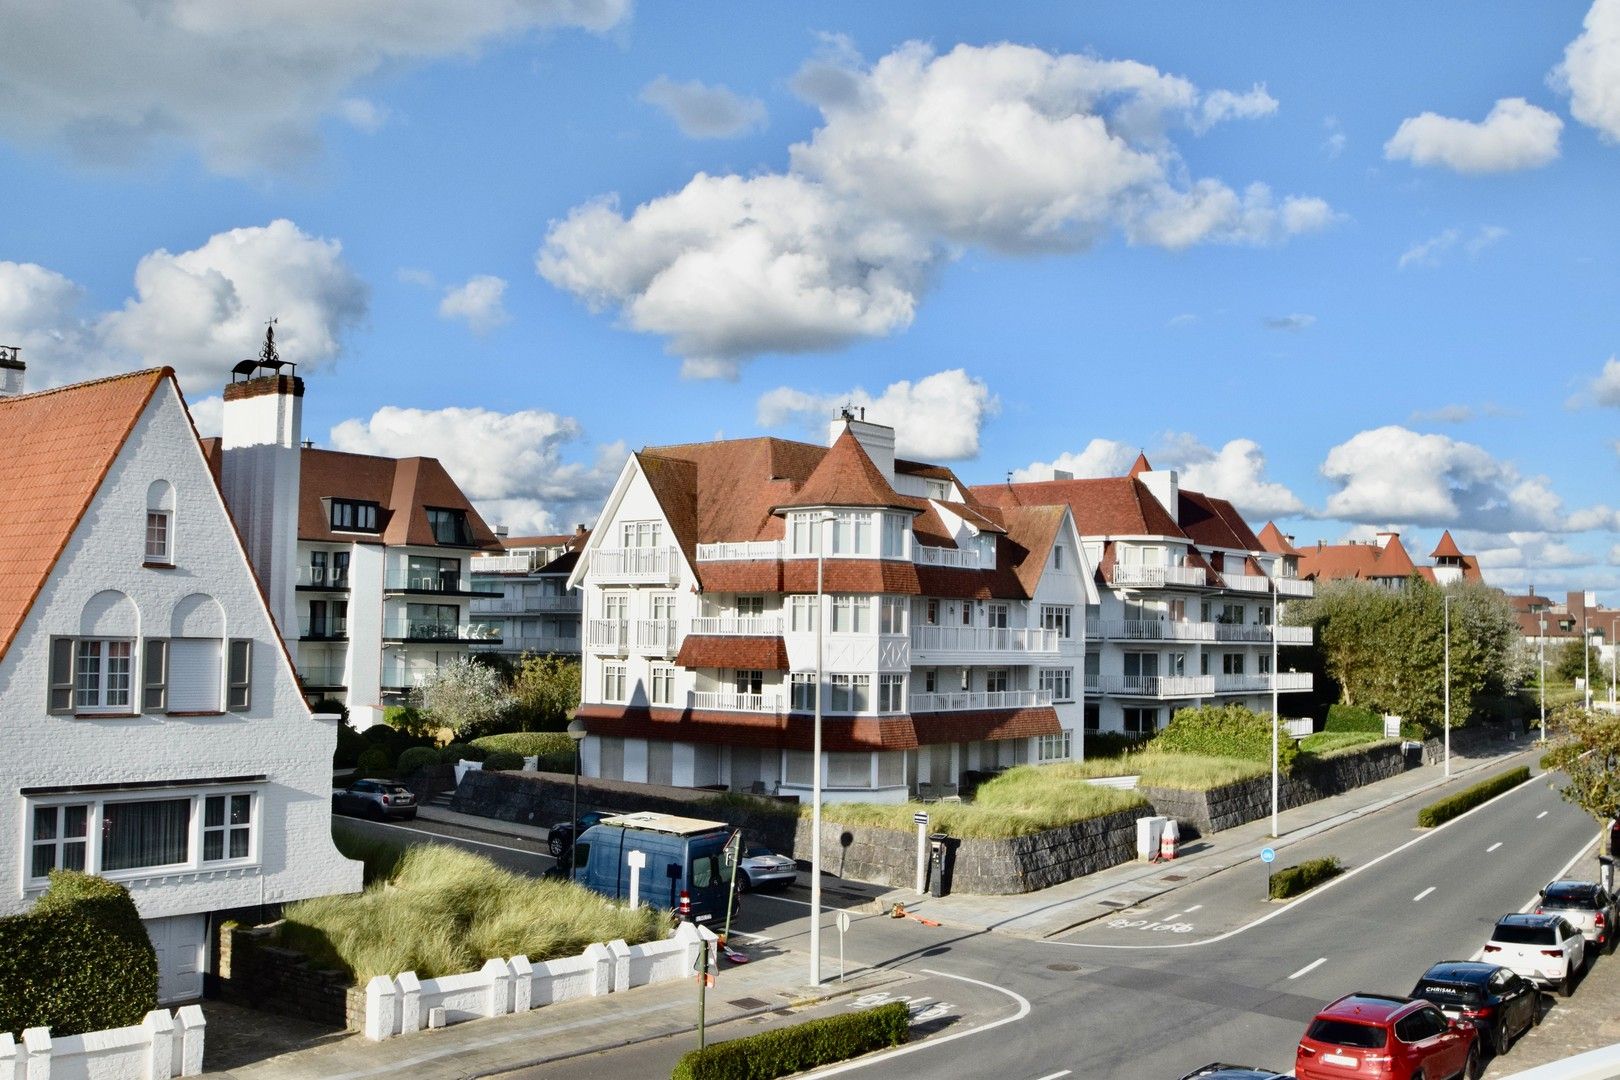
227	829
1060	681
661	679
641	534
160	537
802	612
849	693
104	692
613	684
1059	617
1059	747
851	614
1057	561
891	694
894	536
95	804
892	612
802	691
59	839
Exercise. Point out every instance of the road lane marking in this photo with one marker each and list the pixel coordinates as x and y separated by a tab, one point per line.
1194	908
805	903
1493	847
1167	918
1422	894
1541	815
1055	1076
462	839
1023	1011
1310	967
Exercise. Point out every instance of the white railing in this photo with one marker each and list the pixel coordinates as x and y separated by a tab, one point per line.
1294	635
962	558
1247	582
540	644
322	577
636	564
965	700
728	701
1241	684
1295	587
1151	630
745	551
982	639
1295	680
1239	632
435	630
160	1046
434	581
657	636
738	625
1300	728
608	634
1155	686
505	564
312	675
1157	577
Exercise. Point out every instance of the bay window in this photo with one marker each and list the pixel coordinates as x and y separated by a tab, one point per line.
149	833
894	536
852	533
802	691
851	693
802	612
891	693
61	836
175	831
851	614
892	614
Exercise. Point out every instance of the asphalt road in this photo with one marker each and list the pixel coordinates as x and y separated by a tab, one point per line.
514	853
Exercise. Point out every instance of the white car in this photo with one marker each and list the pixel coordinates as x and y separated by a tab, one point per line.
763	868
1546	949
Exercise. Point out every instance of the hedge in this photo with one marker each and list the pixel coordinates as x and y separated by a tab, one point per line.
503	761
79	961
460	751
416	758
531	744
794	1049
375	763
1353	718
1233	731
1461	802
1111	744
350	745
1292	880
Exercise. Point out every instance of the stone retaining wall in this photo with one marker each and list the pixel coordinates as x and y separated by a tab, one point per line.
253	971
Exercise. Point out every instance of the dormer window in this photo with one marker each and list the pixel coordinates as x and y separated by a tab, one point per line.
449	526
353	515
939	489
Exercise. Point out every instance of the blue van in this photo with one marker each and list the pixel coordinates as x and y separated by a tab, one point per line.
683	855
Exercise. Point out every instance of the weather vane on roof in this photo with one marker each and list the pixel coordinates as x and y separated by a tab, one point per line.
268	355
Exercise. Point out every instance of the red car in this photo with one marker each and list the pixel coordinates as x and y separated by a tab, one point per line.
1393	1038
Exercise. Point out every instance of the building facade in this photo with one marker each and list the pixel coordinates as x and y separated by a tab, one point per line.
529	605
155	728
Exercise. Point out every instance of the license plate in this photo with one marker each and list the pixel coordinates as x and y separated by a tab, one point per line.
1340	1059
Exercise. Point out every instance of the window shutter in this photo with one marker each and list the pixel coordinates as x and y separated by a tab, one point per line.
194	675
60	699
155	675
240	696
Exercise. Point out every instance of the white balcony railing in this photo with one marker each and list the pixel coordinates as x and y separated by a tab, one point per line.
322	577
322	675
1294	635
1151	630
1239	632
1257	683
729	701
541	644
746	551
657	636
966	700
1294	680
933	640
961	558
505	564
1295	587
1252	583
435	630
738	625
435	581
657	565
612	635
1158	577
1155	686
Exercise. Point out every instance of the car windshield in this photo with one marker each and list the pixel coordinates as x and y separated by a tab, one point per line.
1519	934
1442	993
1570	896
1348	1033
758	853
396	789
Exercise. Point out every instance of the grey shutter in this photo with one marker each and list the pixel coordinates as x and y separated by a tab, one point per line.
60	699
155	675
240	695
194	675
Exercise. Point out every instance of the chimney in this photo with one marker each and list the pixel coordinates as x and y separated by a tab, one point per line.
11	371
259	472
579	530
1385	537
1166	488
502	532
1062	474
876	439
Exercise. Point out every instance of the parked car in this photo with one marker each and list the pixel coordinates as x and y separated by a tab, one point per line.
1393	1038
1220	1071
1501	1004
560	837
1588	906
1546	949
763	868
381	799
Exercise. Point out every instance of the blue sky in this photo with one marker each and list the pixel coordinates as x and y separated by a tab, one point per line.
528	237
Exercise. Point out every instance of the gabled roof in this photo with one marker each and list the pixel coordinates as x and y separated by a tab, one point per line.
1215	522
1447	548
1111	506
1140	465
845	476
1327	562
1273	540
59	445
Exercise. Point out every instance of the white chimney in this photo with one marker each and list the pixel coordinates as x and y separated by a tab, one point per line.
876	439
1385	537
1166	488
1062	474
11	371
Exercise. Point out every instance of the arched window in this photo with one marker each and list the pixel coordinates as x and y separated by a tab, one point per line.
160	524
94	672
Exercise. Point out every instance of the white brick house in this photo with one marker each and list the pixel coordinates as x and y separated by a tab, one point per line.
153	725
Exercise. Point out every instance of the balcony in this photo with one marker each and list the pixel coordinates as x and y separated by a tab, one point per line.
1153	686
541	644
974	700
1295	587
322	677
636	566
442	583
1151	630
958	558
437	630
1288	681
1249	583
1294	635
608	636
1239	633
657	637
1159	577
738	625
323	627
749	551
981	644
535	605
729	701
322	578
505	564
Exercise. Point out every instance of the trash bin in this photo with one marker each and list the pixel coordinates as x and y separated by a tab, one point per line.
939	848
1606	872
1413	751
1149	834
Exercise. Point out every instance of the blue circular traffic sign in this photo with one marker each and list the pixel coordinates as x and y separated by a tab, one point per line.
1267	855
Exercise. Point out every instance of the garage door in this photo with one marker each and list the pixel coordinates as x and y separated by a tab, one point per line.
180	942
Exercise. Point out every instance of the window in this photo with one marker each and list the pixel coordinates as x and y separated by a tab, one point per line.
851	693
1264	663
1177	664
804	533
931	613
852	533
101	673
239	687
641	534
193	678
891	693
995	680
432	622
340	569
851	614
1231	615
892	615
939	489
930	680
996	616
891	769
157	537
663	684
1093	670
750	606
61	834
612	758
802	687
967	613
799	768
802	612
1059	617
849	770
1232	664
353	515
1141	721
1059	682
1141	665
613	682
317	568
449	526
1057	747
1093	718
155	832
227	827
663	607
660	762
426	574
1057	562
1262	615
894	536
616	606
749	681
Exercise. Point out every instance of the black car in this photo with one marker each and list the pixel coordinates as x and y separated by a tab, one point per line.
381	799
560	838
1219	1071
1500	1003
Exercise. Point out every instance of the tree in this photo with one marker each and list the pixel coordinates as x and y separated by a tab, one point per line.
546	690
1589	756
468	698
1571	662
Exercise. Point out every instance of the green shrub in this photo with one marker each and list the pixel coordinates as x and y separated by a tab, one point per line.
379	854
1465	800
350	744
502	761
1293	880
414	759
375	763
1111	744
1232	731
79	961
799	1047
1353	718
460	751
328	706
530	743
411	722
1326	742
379	735
1025	799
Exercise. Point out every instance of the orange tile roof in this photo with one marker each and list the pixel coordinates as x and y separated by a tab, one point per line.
59	445
1327	562
403	488
1273	540
1215	522
1446	548
1109	506
763	653
1140	465
845	476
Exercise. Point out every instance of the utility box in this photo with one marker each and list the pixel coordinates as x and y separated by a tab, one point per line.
1149	833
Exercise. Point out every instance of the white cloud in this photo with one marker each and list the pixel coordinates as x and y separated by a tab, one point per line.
1101	457
363	115
937	418
1186	318
209	415
246	85
511	465
1333	145
1235	472
705	112
1005	147
1445	414
198	311
1590	72
1431	252
1220	106
1515	135
1293	323
1603	390
478	302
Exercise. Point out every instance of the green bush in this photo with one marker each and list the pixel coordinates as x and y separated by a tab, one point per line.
379	735
379	855
1232	731
375	763
554	748
1293	880
328	706
1353	718
799	1047
414	759
79	961
350	745
1326	742
1024	799
1111	744
1465	800
503	761
460	751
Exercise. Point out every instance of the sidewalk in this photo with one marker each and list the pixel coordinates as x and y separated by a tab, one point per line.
1074	903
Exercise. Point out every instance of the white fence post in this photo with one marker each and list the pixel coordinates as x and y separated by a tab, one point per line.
620	953
522	984
379	1008
409	989
159	1027
11	1066
37	1044
192	1026
500	980
602	976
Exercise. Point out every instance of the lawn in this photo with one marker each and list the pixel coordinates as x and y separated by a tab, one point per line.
1022	800
1186	772
1324	743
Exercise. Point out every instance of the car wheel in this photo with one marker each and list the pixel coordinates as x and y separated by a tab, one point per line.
554	845
1567	987
1608	945
744	882
1535	1013
1502	1042
1475	1067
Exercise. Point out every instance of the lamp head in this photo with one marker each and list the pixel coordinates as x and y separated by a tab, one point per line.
576	730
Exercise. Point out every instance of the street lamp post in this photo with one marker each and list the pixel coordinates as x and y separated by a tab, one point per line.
576	731
1586	657
1542	682
1276	718
1446	605
815	767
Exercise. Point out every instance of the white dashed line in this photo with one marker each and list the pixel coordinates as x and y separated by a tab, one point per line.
1541	815
1493	847
1194	908
1310	967
1056	1075
1422	894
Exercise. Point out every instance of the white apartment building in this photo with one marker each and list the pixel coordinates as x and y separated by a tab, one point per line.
1189	598
530	607
952	633
154	729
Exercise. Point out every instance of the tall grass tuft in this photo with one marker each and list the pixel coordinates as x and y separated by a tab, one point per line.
1186	772
1022	800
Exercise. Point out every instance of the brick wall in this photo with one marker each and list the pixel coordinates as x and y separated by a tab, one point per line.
253	971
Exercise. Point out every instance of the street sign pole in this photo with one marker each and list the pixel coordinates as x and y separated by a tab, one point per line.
1267	857
843	928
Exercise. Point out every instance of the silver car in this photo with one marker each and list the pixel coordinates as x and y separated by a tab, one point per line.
762	868
1585	904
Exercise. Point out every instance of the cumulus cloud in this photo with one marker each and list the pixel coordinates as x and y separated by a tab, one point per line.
1590	72
1333	145
1003	147
511	465
478	302
1293	323
1514	135
246	85
937	418
1236	472
1101	457
702	111
1602	390
1432	252
198	311
209	415
1445	414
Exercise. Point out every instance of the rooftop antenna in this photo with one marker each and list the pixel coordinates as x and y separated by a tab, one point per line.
847	412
